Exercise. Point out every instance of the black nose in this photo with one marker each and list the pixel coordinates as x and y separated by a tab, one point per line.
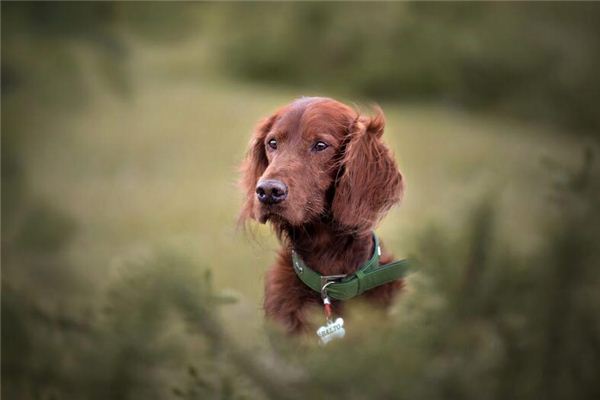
271	191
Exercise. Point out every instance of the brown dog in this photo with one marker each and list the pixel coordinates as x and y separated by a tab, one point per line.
321	174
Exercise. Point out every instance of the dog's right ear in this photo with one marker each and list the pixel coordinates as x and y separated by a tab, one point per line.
254	165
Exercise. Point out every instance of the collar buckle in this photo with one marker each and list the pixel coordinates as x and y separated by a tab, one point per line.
327	280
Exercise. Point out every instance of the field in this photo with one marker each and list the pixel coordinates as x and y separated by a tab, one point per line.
123	126
157	169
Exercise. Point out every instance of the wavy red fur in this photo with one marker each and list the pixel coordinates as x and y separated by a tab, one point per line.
335	197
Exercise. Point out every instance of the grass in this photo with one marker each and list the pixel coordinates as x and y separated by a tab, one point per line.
159	170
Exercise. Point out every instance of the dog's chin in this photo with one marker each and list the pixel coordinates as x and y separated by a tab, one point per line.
274	218
270	214
275	215
264	217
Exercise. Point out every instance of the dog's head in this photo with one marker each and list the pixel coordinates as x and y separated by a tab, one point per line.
318	158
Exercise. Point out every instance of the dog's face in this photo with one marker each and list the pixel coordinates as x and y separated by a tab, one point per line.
299	145
317	157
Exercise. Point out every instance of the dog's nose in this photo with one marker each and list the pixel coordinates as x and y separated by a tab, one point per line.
271	191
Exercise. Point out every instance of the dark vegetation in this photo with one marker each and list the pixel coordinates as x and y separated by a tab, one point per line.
534	60
481	321
530	60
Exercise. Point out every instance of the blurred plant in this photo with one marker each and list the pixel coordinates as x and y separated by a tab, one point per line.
478	322
534	60
39	51
42	45
484	323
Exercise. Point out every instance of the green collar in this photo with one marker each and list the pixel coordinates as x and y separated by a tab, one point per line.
344	287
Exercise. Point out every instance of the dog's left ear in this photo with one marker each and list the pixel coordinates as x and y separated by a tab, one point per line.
369	182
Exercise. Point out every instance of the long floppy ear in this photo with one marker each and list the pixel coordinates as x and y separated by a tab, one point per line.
369	182
254	165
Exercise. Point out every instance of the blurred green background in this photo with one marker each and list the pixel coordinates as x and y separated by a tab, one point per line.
122	128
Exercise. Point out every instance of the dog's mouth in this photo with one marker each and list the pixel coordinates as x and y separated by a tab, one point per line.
280	217
271	213
263	218
289	213
274	218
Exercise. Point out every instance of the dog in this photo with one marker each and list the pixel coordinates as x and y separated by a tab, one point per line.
318	171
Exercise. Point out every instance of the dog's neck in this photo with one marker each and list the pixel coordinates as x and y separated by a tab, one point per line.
329	251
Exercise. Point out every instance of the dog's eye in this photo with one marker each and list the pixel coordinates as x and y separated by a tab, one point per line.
320	146
272	144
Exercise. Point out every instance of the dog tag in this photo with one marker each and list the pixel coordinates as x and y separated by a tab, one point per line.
332	330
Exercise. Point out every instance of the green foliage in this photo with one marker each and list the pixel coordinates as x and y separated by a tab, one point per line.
478	322
39	42
156	323
536	61
530	60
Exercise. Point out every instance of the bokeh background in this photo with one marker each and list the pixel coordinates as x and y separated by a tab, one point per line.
123	273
